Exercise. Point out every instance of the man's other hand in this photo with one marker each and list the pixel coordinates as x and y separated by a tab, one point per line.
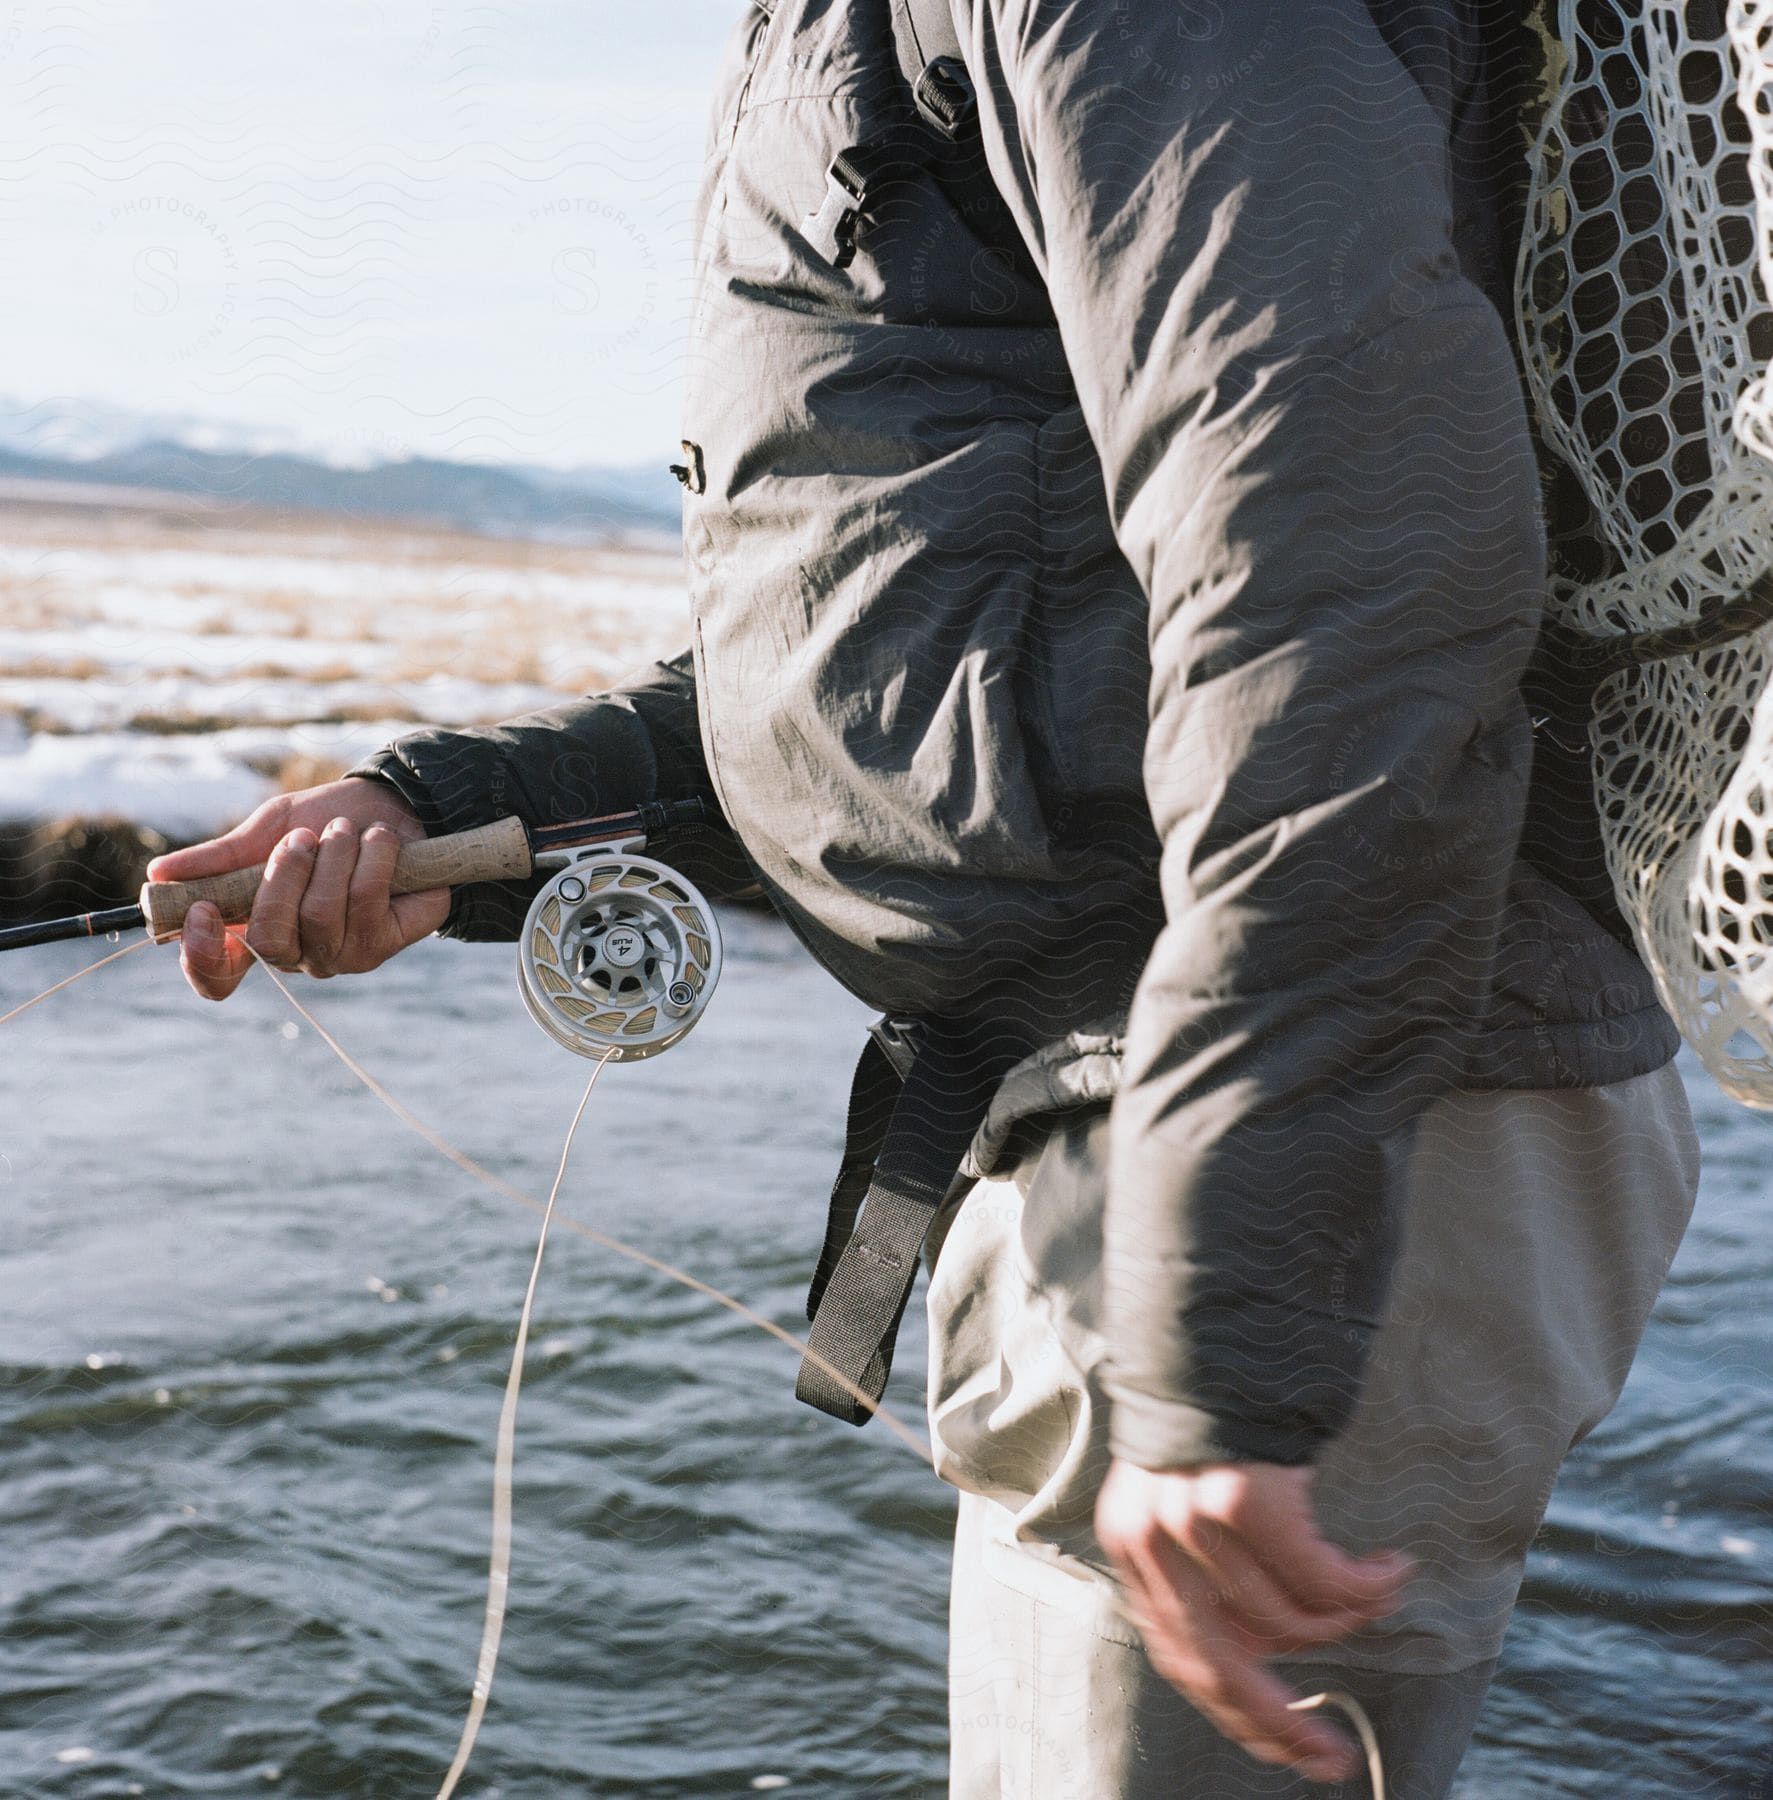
1223	1567
324	905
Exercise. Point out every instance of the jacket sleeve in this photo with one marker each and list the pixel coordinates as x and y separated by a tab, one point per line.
638	742
1317	462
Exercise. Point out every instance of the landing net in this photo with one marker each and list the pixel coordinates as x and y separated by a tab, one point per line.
1646	335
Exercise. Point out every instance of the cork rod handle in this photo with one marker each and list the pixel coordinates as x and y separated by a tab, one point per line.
496	852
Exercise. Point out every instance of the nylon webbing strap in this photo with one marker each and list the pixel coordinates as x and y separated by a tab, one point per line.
874	1093
940	136
858	1319
861	1288
923	34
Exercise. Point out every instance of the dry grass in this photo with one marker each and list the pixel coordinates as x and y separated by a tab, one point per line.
133	609
239	529
293	773
481	610
56	668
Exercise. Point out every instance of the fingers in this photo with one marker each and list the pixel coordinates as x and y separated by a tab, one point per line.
1223	1567
1315	1575
324	906
1267	1619
418	915
322	915
249	842
372	925
1327	1579
377	853
1197	1652
274	930
380	924
213	959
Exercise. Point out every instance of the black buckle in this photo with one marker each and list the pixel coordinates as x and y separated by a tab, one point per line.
945	97
899	1040
836	221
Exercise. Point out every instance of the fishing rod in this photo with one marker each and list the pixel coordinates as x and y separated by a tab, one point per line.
619	954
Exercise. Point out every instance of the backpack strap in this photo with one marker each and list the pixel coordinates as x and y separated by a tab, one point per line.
928	48
874	1096
940	135
920	1093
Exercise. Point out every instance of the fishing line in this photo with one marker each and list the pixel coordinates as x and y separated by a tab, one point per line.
499	1571
78	975
1369	1737
616	1246
498	1580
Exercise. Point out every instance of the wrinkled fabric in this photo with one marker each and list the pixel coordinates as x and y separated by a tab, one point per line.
1124	637
1537	1229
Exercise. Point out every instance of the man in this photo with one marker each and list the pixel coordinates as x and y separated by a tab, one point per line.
1115	559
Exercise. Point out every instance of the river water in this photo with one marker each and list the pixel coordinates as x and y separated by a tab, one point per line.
252	1342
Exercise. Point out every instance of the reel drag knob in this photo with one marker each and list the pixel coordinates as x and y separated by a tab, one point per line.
619	952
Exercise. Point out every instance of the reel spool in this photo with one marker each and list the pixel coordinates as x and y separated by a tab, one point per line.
618	953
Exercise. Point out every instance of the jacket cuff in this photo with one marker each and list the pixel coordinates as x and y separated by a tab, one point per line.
387	768
1159	1434
486	912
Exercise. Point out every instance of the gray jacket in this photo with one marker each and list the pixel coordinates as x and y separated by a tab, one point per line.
1135	617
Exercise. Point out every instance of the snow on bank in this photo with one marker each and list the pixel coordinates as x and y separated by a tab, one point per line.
165	650
181	704
185	786
182	787
174	675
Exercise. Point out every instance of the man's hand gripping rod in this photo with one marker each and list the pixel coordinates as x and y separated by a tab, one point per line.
506	850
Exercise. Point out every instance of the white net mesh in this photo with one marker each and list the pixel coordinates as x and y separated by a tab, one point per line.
1646	333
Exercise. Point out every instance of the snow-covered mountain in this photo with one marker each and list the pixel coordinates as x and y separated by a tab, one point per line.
103	446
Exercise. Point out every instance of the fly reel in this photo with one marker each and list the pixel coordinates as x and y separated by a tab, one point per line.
619	953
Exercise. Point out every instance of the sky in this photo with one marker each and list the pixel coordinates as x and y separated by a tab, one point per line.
372	228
